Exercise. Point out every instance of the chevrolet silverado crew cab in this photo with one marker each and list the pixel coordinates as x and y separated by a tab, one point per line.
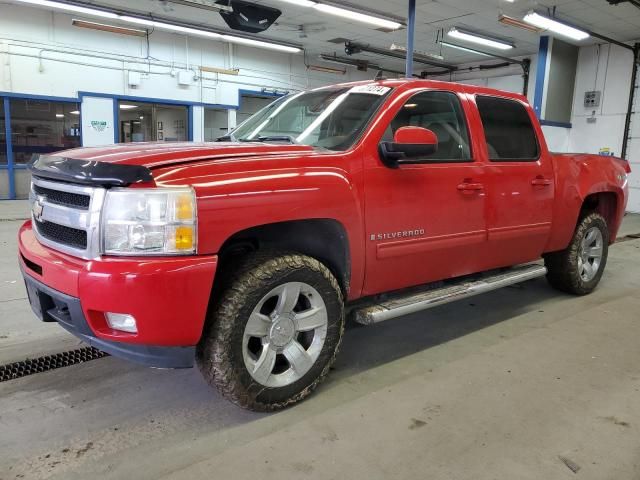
243	255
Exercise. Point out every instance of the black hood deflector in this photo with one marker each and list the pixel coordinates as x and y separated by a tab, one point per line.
88	172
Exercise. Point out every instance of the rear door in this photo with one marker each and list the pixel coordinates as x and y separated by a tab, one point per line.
520	181
426	221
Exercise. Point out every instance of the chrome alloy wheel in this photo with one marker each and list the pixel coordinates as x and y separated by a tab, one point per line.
590	254
285	334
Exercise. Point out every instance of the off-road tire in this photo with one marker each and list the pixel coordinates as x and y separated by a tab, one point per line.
219	354
563	270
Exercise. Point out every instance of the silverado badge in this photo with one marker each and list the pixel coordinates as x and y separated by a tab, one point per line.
397	235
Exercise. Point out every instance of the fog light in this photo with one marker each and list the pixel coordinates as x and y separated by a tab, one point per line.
122	321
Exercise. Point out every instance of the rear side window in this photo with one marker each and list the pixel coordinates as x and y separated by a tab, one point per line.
508	130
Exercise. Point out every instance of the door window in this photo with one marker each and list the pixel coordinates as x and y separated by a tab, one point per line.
440	112
507	129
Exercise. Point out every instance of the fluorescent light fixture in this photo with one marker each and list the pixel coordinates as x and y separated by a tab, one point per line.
124	106
348	14
481	40
70	8
464	49
75	112
108	28
514	22
358	16
207	34
164	25
555	26
416	53
260	44
300	3
59	115
169	26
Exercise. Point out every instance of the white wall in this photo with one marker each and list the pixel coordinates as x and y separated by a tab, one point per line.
606	68
557	138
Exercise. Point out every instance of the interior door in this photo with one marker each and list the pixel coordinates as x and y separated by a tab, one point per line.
425	222
520	182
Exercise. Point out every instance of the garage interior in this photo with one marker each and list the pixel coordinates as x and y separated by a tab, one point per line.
524	382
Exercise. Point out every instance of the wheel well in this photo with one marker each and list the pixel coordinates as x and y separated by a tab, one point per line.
323	239
604	203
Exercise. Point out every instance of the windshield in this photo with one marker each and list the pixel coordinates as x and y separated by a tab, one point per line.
331	118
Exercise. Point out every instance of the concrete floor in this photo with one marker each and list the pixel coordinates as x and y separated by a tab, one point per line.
523	383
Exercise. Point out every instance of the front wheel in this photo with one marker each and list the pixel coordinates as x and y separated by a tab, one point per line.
274	332
579	267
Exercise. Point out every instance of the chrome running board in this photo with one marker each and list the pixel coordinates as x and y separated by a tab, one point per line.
400	304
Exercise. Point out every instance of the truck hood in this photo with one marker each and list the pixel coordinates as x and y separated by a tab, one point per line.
162	154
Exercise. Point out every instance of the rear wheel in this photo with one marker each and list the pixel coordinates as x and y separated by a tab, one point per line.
579	267
274	332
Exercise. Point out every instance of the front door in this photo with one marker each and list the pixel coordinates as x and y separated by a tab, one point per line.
425	222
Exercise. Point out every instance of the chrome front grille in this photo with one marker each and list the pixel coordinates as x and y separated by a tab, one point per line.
66	217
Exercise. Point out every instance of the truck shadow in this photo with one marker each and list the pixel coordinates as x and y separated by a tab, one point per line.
366	347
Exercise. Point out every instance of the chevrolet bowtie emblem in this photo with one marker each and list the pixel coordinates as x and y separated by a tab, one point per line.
38	209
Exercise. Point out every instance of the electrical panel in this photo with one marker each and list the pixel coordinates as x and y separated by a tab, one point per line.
135	79
592	98
185	78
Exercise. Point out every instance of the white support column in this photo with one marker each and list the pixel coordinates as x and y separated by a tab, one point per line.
198	123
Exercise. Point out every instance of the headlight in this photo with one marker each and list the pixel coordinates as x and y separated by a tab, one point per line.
149	221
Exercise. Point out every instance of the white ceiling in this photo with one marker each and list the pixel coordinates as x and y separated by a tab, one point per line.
621	22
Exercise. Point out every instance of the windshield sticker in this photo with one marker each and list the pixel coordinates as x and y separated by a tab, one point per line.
372	89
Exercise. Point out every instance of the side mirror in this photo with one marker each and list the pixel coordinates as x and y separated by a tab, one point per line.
409	144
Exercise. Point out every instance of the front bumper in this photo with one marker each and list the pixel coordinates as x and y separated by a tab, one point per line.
168	297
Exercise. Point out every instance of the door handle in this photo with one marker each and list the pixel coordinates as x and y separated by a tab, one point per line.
467	187
540	182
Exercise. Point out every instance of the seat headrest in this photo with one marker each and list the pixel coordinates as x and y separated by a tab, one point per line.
443	134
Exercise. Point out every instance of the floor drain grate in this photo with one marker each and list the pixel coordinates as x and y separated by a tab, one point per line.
15	370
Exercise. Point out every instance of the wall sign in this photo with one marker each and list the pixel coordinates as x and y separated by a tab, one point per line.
99	125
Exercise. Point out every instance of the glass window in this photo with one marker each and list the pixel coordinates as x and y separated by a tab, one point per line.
507	129
251	104
39	126
216	124
148	122
441	113
331	118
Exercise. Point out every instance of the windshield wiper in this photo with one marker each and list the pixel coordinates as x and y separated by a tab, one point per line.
277	138
227	138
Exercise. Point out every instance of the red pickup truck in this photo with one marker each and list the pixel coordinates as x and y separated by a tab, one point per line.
378	198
